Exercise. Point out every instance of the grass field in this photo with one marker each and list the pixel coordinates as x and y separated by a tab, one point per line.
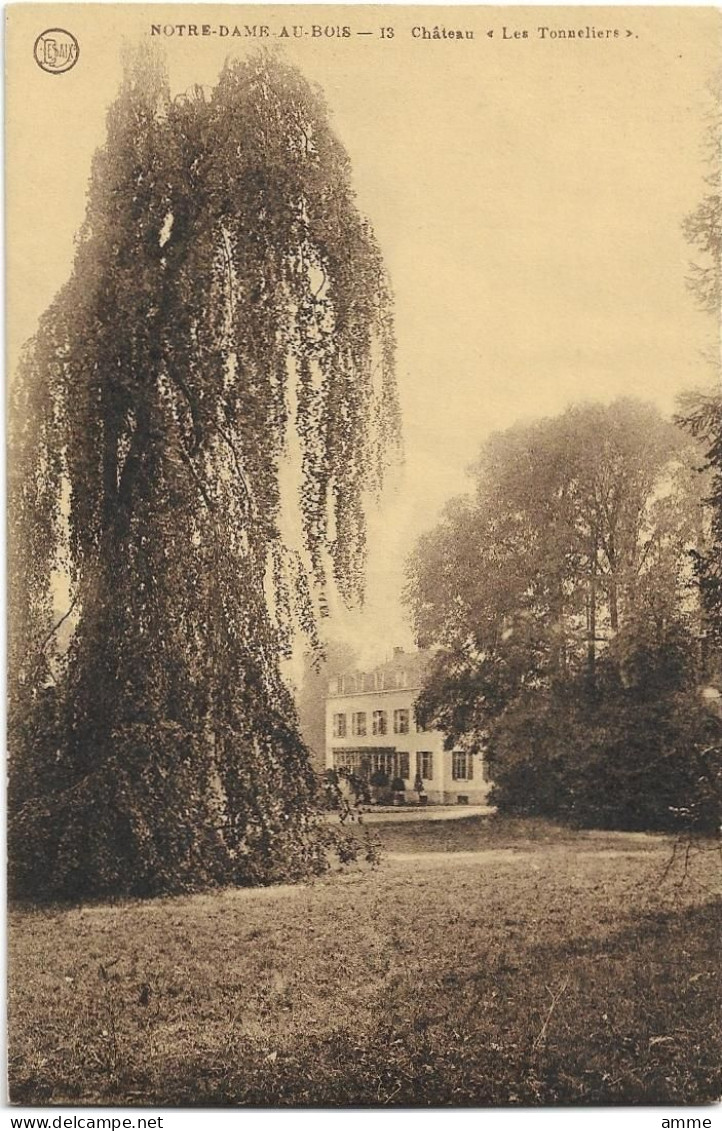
484	962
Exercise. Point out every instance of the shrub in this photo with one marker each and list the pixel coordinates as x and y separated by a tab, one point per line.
638	752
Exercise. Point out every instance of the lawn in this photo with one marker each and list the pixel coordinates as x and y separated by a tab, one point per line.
483	962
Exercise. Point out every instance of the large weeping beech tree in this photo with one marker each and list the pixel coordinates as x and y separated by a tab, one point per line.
225	296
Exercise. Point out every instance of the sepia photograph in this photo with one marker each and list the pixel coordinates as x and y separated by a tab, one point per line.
364	558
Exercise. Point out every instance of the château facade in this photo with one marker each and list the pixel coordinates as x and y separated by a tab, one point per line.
371	732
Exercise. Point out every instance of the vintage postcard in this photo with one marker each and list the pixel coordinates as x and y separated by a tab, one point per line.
364	556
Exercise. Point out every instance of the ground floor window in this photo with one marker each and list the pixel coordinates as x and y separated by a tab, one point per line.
352	760
395	763
367	763
462	766
425	764
382	761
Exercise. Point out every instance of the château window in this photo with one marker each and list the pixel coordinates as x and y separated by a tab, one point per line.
383	761
379	722
339	726
350	760
358	723
425	764
462	766
401	721
404	771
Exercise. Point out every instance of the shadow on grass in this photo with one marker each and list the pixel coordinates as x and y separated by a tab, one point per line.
630	1019
497	831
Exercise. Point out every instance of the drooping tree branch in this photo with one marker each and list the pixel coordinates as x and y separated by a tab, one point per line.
161	378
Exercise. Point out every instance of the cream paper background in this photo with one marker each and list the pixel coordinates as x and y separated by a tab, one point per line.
527	195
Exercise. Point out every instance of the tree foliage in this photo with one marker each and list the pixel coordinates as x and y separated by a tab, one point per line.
702	415
701	412
226	296
640	754
703	227
558	596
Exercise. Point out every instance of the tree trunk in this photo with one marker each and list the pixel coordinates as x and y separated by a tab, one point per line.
592	617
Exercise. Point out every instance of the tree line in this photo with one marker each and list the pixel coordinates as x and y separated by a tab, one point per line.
575	600
572	641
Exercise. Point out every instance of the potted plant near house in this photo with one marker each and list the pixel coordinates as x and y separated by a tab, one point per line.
398	791
380	786
421	792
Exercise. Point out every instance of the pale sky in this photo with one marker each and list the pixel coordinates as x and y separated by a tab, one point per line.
527	195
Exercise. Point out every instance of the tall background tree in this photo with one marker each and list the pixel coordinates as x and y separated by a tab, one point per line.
561	601
337	657
701	413
227	311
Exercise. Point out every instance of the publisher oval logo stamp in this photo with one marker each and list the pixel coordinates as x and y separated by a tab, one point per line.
56	51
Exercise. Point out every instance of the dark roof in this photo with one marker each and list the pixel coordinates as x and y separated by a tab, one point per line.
403	669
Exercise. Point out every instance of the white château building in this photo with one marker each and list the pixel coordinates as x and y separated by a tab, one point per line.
371	731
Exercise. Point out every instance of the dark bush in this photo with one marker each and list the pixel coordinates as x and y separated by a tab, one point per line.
638	751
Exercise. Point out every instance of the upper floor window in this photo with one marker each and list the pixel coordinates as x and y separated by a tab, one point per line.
358	723
401	721
339	726
462	766
379	722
